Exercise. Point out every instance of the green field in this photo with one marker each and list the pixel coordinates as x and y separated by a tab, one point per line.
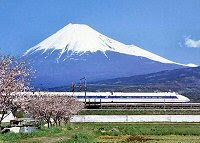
111	132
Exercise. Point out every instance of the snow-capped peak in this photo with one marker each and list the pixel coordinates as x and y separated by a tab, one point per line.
73	37
80	38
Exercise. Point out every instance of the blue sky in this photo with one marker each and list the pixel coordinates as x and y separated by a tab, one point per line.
169	28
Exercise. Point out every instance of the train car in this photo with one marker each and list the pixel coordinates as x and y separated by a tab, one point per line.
124	97
121	97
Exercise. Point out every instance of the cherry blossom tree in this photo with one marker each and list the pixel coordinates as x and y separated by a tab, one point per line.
52	109
14	77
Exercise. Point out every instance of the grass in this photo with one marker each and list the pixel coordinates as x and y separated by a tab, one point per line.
111	132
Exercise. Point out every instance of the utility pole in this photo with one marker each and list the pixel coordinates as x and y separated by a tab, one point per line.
85	86
73	87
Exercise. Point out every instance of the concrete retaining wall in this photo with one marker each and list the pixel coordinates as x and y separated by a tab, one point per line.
136	118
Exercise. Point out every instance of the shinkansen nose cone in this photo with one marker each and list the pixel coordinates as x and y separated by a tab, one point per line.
182	98
186	99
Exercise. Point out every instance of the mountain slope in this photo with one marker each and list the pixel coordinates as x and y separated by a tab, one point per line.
78	50
185	81
186	76
77	38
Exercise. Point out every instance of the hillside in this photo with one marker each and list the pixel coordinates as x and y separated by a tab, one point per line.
184	81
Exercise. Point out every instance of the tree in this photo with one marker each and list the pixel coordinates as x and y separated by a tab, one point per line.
14	77
47	107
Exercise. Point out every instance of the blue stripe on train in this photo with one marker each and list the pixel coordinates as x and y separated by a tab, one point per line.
124	97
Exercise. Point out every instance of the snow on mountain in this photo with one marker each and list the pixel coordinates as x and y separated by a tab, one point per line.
191	65
78	51
79	39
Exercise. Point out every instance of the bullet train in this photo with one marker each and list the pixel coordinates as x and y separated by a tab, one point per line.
123	97
131	97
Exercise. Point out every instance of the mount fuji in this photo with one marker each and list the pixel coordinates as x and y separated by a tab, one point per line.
77	51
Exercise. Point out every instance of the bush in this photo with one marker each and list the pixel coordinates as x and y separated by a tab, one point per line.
19	114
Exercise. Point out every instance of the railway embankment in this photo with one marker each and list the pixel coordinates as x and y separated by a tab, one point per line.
139	111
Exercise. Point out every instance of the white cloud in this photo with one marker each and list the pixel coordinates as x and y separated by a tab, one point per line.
192	43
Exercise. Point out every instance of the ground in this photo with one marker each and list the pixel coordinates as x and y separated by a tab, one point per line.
111	133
